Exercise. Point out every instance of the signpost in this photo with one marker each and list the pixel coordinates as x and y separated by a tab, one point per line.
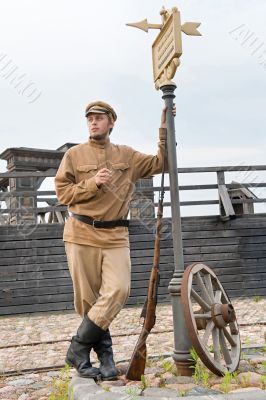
167	47
166	51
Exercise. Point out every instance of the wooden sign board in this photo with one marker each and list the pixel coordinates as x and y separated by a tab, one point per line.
167	45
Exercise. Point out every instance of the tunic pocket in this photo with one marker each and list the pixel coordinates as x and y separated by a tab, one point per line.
86	171
121	186
120	166
120	171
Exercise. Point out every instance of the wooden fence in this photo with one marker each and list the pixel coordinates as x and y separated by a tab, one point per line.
225	197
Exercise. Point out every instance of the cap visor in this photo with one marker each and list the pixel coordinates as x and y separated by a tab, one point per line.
95	112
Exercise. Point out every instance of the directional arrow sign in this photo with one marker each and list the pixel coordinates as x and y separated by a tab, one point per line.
145	26
167	47
190	28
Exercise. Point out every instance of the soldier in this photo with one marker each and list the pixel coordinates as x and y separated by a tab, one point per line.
96	180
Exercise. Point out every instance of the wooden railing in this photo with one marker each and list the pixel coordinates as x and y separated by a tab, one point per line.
58	213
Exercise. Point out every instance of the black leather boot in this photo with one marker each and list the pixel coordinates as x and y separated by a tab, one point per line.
78	354
104	352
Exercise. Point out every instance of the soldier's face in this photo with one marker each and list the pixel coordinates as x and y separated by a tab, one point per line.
99	125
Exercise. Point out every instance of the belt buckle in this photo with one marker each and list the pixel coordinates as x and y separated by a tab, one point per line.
93	223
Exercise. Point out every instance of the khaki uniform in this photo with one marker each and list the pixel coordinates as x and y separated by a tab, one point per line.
76	187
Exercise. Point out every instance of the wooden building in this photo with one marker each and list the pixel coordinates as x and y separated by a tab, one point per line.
33	269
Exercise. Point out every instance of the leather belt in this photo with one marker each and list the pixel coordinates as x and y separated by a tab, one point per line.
101	224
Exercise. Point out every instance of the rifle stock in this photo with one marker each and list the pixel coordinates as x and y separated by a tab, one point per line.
138	359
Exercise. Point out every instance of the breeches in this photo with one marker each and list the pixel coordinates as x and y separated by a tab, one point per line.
101	280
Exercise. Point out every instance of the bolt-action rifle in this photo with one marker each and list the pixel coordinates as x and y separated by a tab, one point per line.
138	359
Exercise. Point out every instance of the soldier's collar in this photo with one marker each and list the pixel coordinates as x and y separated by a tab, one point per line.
99	145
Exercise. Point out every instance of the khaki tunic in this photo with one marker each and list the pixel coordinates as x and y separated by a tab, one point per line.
76	187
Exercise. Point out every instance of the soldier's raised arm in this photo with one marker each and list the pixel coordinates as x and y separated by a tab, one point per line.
146	165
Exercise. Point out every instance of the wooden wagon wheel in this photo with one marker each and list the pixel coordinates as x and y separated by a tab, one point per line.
210	319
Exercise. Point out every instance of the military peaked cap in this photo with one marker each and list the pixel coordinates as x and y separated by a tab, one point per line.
100	107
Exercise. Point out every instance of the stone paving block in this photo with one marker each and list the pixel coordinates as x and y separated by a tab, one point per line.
79	388
177	398
125	390
159	393
107	396
250	395
21	382
24	396
246	389
202	391
83	392
78	380
161	398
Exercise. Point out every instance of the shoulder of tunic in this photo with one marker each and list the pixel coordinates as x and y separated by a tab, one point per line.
76	148
122	148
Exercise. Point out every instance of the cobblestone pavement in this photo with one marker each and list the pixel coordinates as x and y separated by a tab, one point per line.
41	340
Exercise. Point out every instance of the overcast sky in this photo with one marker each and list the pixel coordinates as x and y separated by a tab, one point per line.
73	52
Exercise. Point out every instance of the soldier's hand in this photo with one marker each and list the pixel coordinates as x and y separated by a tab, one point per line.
103	176
163	118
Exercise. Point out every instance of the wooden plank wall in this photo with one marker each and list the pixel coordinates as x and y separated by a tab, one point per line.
34	276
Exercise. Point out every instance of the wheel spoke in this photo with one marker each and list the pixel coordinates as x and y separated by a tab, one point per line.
233	328
208	282
227	356
200	300
203	316
229	337
218	296
208	331
216	347
203	289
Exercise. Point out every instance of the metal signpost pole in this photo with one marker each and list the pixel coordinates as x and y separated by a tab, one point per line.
166	51
181	355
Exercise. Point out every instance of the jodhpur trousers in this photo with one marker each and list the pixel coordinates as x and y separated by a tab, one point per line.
101	280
